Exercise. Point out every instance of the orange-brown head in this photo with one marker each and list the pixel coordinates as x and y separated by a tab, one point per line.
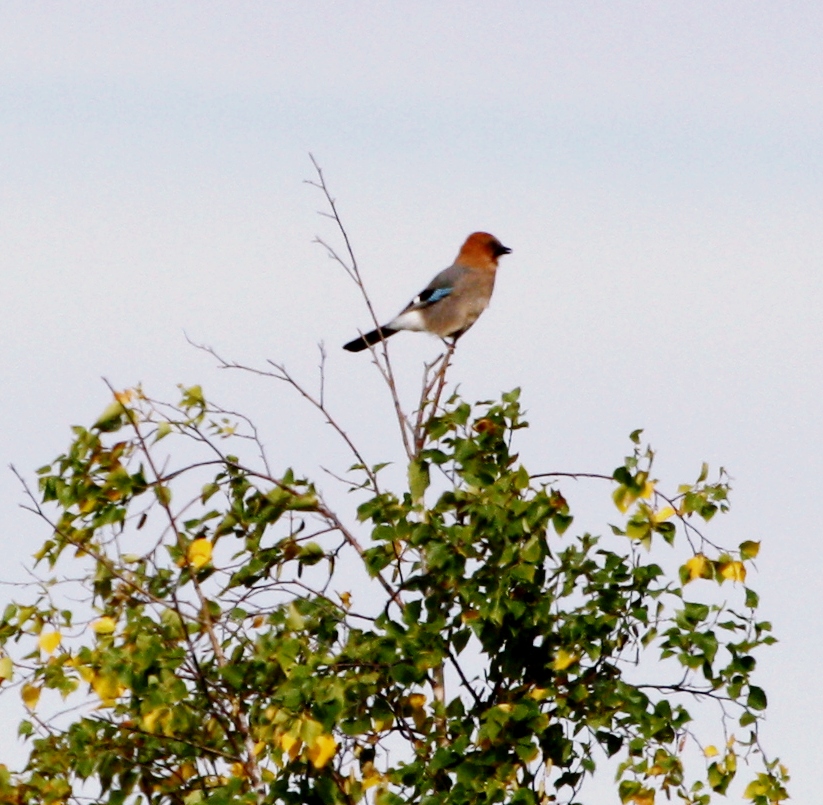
481	250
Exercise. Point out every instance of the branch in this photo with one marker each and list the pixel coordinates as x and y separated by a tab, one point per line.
283	376
239	718
381	359
434	378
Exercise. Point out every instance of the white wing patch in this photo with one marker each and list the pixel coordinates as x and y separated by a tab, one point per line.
409	320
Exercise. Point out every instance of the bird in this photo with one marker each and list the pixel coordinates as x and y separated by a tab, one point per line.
452	301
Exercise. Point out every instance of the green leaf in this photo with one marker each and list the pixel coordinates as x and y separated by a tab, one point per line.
418	479
405	673
208	490
311	553
757	698
163	494
192	397
112	417
747	719
532	551
749	549
163	430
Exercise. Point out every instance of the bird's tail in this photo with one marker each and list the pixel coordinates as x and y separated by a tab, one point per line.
369	339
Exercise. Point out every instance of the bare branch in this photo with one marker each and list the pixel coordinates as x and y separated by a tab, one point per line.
434	378
381	358
280	373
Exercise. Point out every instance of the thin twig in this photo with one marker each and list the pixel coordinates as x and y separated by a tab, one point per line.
434	378
381	359
283	376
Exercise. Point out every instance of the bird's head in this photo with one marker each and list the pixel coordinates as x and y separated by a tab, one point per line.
481	250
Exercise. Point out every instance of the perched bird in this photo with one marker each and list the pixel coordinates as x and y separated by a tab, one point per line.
452	301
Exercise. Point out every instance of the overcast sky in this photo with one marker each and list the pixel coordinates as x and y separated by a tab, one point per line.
656	167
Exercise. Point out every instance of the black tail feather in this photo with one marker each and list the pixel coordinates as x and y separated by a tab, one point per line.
369	339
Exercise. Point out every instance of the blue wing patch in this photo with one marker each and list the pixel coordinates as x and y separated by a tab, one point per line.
432	295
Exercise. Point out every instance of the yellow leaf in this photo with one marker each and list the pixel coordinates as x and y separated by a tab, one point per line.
107	687
664	514
199	553
322	750
238	770
195	395
87	505
49	641
644	797
345	599
563	659
638	529
151	718
417	700
6	669
734	571
31	695
698	567
86	672
623	498
648	489
539	694
186	771
290	745
104	625
372	778
710	751
756	788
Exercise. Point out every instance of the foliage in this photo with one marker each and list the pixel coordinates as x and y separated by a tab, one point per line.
210	629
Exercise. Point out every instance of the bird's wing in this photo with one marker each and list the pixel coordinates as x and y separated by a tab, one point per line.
439	288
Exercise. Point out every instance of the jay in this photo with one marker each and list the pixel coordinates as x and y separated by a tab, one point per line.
452	301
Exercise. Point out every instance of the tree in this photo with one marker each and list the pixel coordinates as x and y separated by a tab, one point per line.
209	628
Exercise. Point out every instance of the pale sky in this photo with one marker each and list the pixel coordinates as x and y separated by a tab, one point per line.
657	169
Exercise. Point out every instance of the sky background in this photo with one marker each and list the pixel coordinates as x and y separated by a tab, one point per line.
656	167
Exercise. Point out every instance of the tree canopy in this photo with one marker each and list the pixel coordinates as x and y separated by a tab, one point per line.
205	626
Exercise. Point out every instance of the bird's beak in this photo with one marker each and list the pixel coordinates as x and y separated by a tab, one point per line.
500	250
